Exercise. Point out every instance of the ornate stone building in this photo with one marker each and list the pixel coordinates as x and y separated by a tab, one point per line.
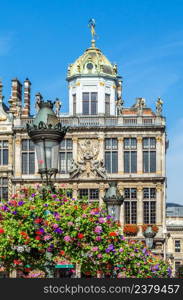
106	142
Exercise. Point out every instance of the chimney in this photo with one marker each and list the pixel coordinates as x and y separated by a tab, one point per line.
15	100
26	108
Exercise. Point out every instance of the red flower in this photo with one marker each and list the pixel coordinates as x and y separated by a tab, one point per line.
80	236
37	237
17	262
38	220
113	234
62	252
23	233
1	230
13	202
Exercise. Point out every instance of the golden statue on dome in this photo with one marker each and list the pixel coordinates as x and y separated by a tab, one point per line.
92	24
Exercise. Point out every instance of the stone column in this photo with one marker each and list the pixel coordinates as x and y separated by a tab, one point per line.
75	147
75	190
101	193
139	156
120	156
101	148
159	206
121	190
18	156
140	220
159	155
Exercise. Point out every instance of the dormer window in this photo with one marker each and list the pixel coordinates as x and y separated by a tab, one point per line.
89	66
90	101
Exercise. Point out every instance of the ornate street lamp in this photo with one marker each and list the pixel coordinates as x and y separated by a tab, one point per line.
113	200
46	132
149	235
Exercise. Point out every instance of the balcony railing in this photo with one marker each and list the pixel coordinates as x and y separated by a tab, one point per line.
102	121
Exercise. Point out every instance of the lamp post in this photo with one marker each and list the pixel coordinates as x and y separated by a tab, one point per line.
149	235
113	200
46	132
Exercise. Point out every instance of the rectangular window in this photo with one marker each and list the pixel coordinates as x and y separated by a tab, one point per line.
107	104
28	157
149	211
130	206
90	103
149	155
149	193
74	103
130	156
177	246
89	194
111	155
65	156
3	153
3	188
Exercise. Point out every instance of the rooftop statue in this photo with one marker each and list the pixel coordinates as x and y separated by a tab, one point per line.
159	106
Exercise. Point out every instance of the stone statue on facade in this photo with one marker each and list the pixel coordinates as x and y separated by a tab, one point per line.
98	168
38	99
58	105
119	101
159	106
140	103
76	168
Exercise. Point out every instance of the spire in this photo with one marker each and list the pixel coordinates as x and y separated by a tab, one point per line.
92	24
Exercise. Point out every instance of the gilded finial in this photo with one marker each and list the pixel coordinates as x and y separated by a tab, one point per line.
92	24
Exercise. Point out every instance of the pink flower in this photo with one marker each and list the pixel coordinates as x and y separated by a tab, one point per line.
98	229
67	238
47	237
121	250
101	220
98	238
99	255
95	249
55	226
70	223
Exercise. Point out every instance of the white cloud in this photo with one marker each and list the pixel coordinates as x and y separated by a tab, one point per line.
175	164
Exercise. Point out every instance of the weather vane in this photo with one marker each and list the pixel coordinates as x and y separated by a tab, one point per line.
92	24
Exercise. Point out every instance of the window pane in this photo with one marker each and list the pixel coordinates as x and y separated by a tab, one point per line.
31	163
127	193
133	193
24	145
145	143
133	143
126	162
107	104
5	157
93	108
152	161
69	159
5	181
5	144
74	104
31	145
146	213
94	194
108	161
69	144
152	193
5	193
153	212
62	162
85	108
126	143
134	161
83	193
146	193
114	162
133	212
62	144
24	163
107	144
86	97
114	144
152	143
127	212
93	96
145	161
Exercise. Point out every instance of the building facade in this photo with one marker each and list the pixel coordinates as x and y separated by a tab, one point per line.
106	142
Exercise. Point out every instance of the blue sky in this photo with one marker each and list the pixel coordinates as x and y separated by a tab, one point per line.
38	39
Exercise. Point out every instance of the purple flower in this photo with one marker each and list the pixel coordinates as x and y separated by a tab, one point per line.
121	250
41	230
20	203
54	196
98	229
14	212
110	248
109	217
46	205
169	272
33	195
58	230
56	214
